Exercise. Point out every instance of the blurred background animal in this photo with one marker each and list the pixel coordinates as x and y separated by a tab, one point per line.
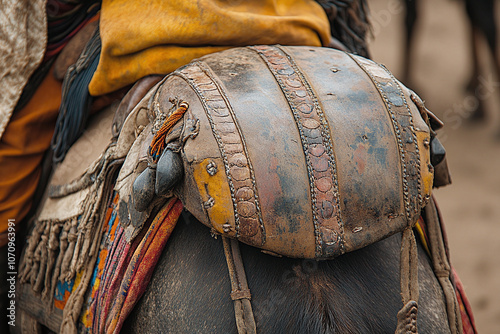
482	29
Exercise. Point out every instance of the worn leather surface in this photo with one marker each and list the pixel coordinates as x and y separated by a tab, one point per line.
303	151
131	99
80	157
135	136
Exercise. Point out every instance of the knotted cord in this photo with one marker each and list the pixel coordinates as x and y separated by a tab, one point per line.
158	143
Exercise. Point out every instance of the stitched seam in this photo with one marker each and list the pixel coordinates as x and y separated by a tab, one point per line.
327	142
220	142
413	132
210	74
397	131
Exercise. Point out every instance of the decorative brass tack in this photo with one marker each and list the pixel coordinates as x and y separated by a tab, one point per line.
212	168
426	143
209	203
226	228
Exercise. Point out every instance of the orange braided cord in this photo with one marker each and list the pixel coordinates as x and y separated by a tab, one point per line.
158	143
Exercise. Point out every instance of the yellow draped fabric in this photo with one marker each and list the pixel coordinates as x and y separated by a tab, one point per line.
158	36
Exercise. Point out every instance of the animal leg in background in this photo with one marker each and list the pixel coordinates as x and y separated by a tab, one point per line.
481	15
410	21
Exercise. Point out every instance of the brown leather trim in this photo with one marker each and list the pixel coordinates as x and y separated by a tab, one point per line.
404	129
317	146
225	128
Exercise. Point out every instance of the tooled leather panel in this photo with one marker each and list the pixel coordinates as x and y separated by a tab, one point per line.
404	129
317	146
237	165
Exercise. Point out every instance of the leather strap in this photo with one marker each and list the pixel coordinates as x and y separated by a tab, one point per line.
441	265
407	316
240	293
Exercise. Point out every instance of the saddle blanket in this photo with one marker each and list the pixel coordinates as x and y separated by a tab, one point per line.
122	271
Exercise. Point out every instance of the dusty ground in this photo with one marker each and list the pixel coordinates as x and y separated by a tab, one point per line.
471	205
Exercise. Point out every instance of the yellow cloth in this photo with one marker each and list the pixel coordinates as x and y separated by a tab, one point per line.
158	36
22	147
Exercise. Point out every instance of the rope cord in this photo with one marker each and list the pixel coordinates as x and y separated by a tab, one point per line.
158	143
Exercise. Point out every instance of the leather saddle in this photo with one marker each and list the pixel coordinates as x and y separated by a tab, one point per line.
301	151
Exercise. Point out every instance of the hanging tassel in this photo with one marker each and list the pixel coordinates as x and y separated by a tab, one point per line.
36	264
41	260
53	247
66	262
158	143
33	242
63	244
37	287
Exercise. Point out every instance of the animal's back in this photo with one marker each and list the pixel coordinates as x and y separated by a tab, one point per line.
355	293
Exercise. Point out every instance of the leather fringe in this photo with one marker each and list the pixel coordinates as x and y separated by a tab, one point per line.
58	250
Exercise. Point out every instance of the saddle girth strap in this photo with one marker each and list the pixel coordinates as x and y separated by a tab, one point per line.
240	293
441	265
407	316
